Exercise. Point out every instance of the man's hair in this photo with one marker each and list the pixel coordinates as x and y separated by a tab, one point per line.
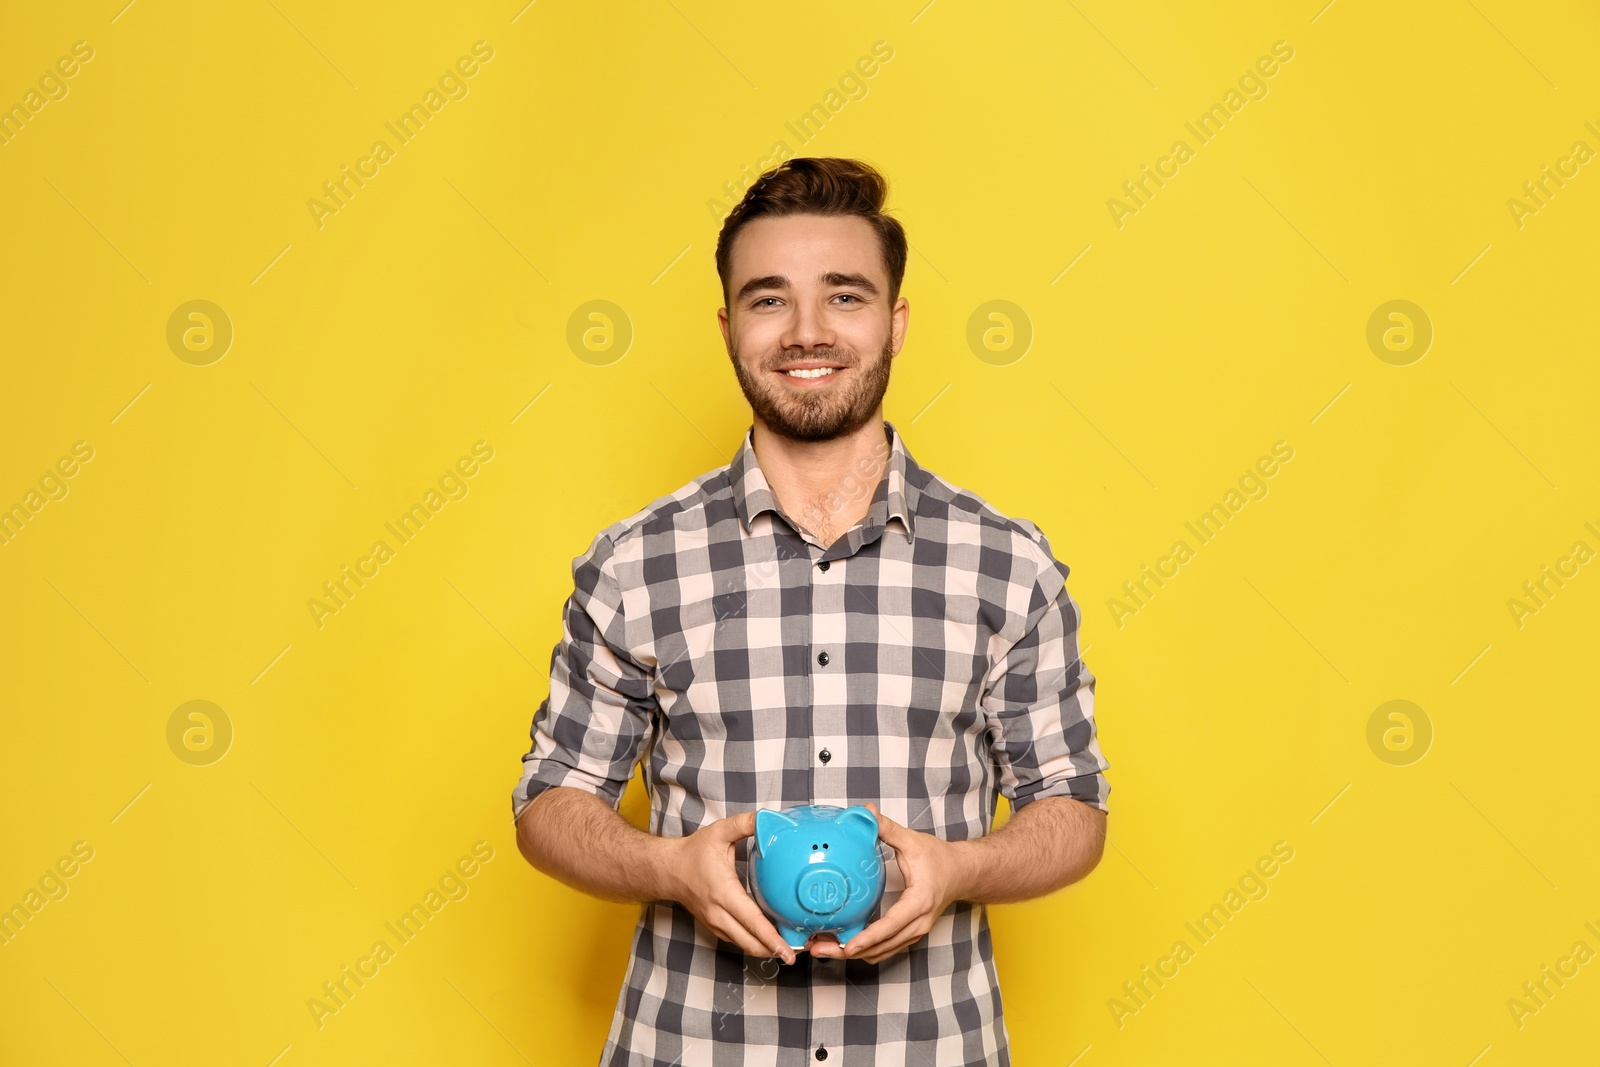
810	185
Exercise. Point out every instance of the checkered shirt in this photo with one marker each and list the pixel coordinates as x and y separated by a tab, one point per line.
926	660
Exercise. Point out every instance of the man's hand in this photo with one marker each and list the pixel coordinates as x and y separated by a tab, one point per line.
702	877
934	873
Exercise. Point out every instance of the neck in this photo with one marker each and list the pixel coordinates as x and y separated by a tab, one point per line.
825	486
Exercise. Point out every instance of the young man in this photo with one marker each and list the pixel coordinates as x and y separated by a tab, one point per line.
821	621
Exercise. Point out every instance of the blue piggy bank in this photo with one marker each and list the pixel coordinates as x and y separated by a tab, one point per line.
816	869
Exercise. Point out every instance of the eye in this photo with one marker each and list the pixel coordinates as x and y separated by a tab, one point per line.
849	296
813	848
824	844
763	300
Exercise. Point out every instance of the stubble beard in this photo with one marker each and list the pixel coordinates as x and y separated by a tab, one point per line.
825	414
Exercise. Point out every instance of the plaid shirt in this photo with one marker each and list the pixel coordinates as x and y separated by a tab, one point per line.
925	660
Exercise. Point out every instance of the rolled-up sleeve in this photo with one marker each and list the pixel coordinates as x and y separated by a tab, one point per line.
1039	702
590	730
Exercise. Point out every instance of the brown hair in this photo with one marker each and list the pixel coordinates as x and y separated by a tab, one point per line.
810	185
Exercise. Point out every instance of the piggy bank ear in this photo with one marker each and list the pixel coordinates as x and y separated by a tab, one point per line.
860	820
768	824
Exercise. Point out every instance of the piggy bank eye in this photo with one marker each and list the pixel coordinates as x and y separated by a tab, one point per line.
824	844
813	848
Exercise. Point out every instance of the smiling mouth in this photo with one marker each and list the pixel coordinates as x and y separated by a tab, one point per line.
810	372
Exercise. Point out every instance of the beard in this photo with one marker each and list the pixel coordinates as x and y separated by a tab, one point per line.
826	413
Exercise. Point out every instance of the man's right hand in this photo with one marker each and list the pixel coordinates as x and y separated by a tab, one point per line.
703	878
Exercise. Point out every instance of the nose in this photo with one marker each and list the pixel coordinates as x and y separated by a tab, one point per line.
807	328
823	889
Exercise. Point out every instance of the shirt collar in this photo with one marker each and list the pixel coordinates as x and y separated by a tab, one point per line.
896	494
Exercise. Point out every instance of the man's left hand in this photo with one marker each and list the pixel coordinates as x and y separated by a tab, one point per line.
933	873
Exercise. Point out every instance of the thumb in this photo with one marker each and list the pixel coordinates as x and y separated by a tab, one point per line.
889	830
738	826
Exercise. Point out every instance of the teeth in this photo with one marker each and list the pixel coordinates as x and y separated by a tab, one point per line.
817	373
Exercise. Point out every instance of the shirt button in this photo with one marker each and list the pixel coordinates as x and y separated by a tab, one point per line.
824	755
822	1053
823	566
822	659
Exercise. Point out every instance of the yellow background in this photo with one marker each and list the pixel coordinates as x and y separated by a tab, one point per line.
369	354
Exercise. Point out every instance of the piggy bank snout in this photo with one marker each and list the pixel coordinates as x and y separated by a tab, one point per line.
823	890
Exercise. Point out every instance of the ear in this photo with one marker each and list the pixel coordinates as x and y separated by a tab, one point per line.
859	819
769	824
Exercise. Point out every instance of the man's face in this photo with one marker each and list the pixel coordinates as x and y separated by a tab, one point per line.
809	327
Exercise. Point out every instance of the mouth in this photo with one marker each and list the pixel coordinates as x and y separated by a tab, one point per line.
809	372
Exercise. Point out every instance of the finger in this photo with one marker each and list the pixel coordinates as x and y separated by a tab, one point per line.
748	914
907	937
893	833
735	827
890	944
828	950
823	944
898	945
888	829
904	912
728	928
755	941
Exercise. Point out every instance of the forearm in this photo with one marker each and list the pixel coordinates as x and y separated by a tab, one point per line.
579	840
1047	844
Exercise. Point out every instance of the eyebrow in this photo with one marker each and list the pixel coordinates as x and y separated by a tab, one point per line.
828	278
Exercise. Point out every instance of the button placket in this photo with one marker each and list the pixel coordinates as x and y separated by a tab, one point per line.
829	692
828	1002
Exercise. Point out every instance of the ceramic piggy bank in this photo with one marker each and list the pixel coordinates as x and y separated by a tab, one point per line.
816	869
